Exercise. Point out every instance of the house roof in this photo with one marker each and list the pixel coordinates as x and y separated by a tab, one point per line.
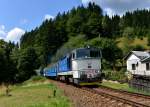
146	59
140	54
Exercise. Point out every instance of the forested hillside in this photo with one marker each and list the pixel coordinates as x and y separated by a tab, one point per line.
81	26
87	26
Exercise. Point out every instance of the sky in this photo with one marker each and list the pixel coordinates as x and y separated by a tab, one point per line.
19	16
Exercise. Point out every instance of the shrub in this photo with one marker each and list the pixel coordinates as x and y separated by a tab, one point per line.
37	78
116	76
148	41
138	48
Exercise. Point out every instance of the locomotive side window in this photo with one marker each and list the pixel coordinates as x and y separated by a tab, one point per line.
147	66
133	66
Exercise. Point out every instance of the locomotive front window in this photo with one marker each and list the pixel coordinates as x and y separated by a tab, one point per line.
82	53
94	54
86	53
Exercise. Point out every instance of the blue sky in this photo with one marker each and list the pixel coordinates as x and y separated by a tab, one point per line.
27	14
18	16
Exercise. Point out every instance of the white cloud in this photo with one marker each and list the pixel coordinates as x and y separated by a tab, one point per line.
2	32
109	11
48	17
14	35
23	21
120	6
2	27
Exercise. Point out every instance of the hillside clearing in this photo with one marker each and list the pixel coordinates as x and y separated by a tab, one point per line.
136	41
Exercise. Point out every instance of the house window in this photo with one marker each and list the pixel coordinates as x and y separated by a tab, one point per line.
133	66
147	66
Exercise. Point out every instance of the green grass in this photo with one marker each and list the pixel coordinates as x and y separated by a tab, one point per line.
123	86
34	95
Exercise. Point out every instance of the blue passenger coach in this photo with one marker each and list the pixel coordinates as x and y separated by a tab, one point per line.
64	64
51	71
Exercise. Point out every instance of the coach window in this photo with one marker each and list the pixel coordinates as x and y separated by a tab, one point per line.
133	66
147	66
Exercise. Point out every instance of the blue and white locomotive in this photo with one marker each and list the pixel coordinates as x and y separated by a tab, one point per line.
81	66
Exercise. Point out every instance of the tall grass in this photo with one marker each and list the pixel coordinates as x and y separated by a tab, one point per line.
35	95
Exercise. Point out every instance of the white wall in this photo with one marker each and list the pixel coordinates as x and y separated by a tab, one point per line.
140	68
132	60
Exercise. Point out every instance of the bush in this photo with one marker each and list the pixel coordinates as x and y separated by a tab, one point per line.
138	48
148	40
116	76
37	78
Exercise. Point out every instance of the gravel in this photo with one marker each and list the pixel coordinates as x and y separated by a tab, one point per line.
83	98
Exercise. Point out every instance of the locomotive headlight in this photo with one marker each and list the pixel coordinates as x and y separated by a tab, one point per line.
96	71
81	73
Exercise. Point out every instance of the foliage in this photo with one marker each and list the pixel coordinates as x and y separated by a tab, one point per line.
148	41
37	78
138	48
129	32
73	42
110	50
27	63
116	76
7	67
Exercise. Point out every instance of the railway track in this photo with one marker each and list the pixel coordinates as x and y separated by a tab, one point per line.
126	92
135	100
127	99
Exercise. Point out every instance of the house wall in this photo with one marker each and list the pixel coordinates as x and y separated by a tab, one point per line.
140	67
143	67
132	60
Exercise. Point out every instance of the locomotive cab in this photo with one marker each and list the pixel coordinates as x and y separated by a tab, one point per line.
86	64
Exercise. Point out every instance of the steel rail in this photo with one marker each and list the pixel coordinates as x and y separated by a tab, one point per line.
126	92
123	100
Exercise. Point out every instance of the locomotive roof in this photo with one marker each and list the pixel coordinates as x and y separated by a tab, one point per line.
87	48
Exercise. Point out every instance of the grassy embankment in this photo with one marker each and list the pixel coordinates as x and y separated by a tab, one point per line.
124	86
34	94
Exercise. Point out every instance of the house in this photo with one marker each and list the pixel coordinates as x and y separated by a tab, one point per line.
138	63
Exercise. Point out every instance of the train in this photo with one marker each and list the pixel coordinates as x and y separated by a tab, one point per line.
82	66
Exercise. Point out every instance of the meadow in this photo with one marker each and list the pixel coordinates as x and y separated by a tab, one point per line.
33	94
